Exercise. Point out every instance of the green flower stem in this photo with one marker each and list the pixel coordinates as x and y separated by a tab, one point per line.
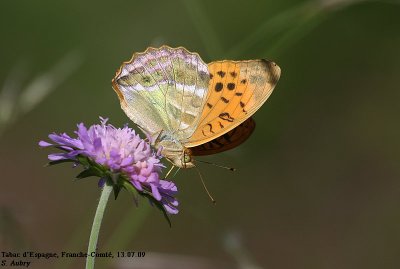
94	234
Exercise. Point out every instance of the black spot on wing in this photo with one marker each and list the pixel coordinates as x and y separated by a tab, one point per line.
209	125
231	86
219	86
221	73
224	100
226	116
146	79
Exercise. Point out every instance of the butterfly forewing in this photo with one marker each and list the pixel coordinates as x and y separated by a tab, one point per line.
163	89
227	141
236	90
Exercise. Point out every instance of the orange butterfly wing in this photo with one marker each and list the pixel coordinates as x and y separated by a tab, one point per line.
237	89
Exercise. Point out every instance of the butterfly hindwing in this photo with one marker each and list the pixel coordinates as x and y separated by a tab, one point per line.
236	90
227	141
163	89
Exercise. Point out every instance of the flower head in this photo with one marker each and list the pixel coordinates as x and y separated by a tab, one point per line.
118	156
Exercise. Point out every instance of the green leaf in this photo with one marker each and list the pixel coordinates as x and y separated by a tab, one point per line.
117	190
116	178
58	162
90	172
83	160
129	187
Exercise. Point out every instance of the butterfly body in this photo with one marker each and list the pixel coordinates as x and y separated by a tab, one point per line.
174	150
181	103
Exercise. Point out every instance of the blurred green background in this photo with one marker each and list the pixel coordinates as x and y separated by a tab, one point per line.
317	184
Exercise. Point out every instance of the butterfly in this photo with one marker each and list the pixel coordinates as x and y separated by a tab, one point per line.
190	108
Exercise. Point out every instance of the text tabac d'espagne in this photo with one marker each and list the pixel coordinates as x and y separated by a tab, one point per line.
48	255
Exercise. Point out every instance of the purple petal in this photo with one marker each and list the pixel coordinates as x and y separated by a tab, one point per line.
65	140
139	178
103	120
83	133
57	139
127	161
115	154
168	185
129	169
146	171
44	144
171	210
114	166
97	145
57	157
153	178
67	148
137	185
174	202
102	182
101	160
156	193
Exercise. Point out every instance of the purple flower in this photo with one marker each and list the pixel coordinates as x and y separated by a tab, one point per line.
116	155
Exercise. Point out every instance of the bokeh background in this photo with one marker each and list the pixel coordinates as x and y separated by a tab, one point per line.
317	184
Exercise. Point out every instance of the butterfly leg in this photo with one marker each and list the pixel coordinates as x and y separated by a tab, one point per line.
156	137
176	172
170	170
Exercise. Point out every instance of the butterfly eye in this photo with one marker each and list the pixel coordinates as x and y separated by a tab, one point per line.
187	158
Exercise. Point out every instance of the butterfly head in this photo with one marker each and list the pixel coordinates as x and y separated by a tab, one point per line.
182	159
173	150
187	159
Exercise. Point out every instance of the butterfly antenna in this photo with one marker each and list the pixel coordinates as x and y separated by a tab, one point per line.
217	165
204	185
